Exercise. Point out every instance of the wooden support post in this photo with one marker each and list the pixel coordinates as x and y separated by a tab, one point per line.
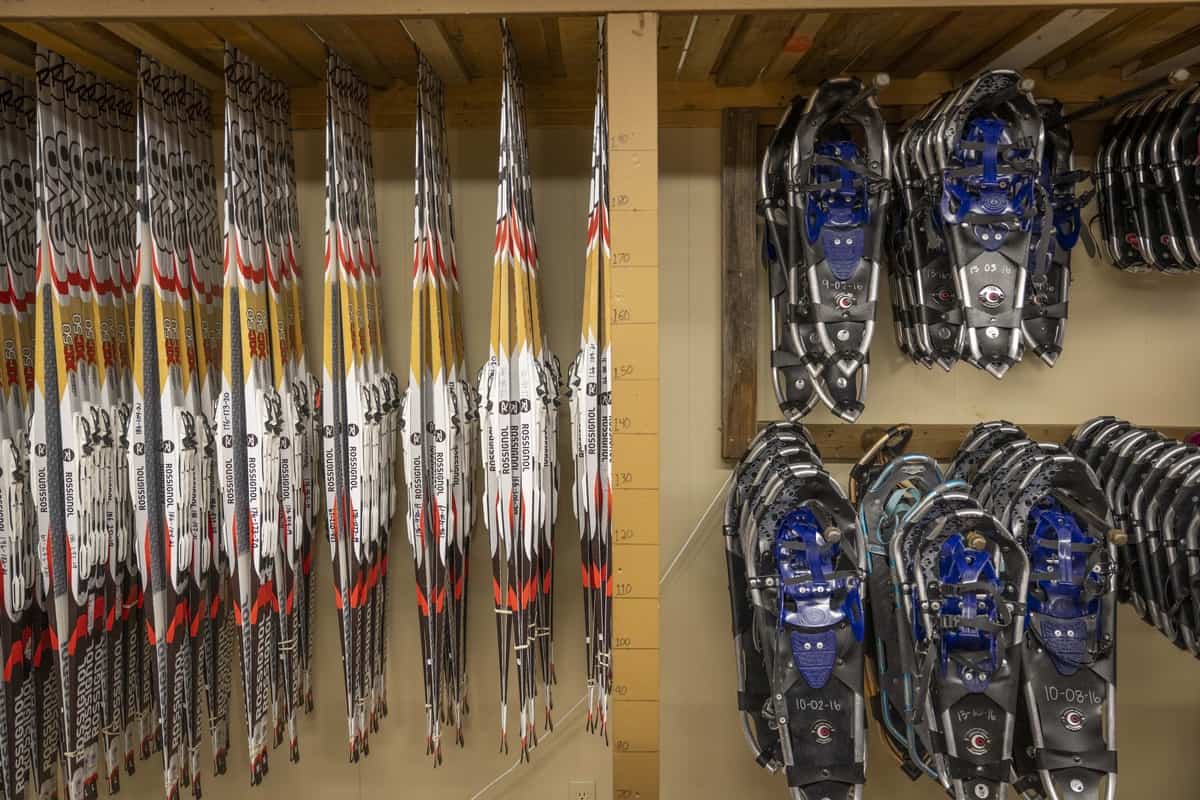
739	276
633	160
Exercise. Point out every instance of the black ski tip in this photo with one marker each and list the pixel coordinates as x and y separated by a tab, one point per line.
91	788
295	751
308	703
130	763
186	778
196	792
219	764
114	781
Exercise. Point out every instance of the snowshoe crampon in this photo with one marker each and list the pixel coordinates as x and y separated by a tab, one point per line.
962	580
796	567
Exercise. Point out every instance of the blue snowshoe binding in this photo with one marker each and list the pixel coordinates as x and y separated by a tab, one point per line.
962	581
841	165
796	569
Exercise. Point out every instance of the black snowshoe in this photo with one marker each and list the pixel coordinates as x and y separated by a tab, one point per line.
796	569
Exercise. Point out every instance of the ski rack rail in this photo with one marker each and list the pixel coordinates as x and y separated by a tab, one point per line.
839	442
1175	78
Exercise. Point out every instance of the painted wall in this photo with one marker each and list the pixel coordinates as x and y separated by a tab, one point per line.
397	766
1131	350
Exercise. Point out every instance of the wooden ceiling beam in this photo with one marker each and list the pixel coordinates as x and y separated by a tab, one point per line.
554	47
1149	29
346	42
1181	52
42	10
800	41
755	43
579	45
1036	38
119	67
845	44
431	39
249	38
16	53
704	46
169	52
673	32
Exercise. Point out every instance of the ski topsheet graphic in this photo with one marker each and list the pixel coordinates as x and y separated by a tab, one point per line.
519	396
80	400
21	618
440	421
360	405
263	426
589	381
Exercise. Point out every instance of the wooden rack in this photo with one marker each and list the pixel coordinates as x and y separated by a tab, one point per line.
672	63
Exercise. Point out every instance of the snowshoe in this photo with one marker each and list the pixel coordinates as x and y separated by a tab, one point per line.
964	585
1149	529
1183	163
980	442
1154	226
1126	161
989	152
1180	601
886	500
1081	436
1044	321
1118	216
1059	515
886	449
1157	155
796	566
926	277
1138	554
841	159
782	258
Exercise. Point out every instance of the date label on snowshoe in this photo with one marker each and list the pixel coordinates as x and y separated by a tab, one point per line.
1081	697
816	705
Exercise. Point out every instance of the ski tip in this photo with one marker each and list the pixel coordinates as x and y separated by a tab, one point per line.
130	763
114	781
196	792
504	742
294	753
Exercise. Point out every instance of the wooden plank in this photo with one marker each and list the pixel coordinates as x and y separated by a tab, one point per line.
704	46
633	143
673	32
432	40
844	443
100	43
1035	38
799	42
530	39
298	41
169	52
1182	51
56	36
554	47
146	9
1149	29
739	280
16	53
248	38
194	38
579	43
1118	17
348	43
910	29
478	40
387	42
755	43
847	41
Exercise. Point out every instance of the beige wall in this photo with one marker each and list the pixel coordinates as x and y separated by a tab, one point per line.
1131	350
397	766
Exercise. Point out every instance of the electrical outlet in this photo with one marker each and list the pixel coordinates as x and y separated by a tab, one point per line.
581	790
